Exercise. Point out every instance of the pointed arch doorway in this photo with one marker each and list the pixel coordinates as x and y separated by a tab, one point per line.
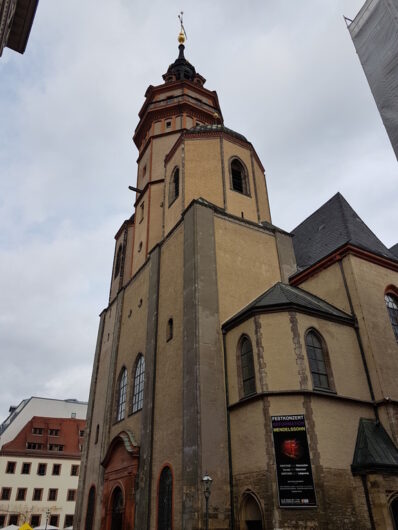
121	467
251	517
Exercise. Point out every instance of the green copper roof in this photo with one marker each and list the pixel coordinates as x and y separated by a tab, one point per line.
374	450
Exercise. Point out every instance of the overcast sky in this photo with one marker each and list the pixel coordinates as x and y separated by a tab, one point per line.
287	77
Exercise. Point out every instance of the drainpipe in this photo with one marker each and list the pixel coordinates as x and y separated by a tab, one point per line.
359	340
231	483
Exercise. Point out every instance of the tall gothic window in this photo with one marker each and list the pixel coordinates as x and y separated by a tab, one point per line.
392	308
90	509
247	367
239	178
174	186
121	396
165	500
317	358
118	261
139	381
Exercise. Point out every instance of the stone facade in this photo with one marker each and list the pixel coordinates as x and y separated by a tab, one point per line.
188	265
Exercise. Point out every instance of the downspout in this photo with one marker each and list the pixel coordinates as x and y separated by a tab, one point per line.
231	483
359	340
368	503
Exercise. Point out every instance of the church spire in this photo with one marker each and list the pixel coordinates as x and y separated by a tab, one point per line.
181	69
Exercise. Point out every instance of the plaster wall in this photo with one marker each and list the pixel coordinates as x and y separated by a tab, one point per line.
238	248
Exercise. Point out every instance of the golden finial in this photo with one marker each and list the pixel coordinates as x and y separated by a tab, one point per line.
182	36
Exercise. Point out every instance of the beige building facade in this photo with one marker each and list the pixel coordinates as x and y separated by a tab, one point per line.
229	347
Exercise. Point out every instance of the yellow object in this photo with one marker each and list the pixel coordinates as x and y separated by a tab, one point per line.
181	37
25	526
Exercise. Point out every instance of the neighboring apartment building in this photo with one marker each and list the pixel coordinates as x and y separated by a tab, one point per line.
16	19
232	348
40	463
374	32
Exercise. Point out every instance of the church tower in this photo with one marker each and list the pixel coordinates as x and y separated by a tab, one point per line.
157	398
208	362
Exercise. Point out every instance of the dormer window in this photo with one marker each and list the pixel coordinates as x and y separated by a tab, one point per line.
239	177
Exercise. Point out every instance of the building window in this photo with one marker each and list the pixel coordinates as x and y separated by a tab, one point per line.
142	208
174	186
165	500
41	469
2	520
318	360
118	263
81	434
25	470
37	430
90	509
139	381
121	395
37	494
53	432
55	447
140	246
238	177
74	470
35	520
5	494
169	335
54	520
392	308
96	434
10	467
71	495
247	373
56	469
13	519
35	446
68	521
21	494
168	124
52	495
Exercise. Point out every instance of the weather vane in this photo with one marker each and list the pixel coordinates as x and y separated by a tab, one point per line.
183	34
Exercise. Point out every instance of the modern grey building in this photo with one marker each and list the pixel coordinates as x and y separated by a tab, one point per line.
374	32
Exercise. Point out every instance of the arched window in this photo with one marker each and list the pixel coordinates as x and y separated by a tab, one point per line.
317	358
392	308
394	511
96	434
165	499
139	381
169	334
174	186
121	395
118	261
90	509
247	367
239	178
117	509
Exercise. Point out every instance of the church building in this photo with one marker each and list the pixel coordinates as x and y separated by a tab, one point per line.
244	377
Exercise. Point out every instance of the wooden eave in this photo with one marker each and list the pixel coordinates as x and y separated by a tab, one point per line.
21	25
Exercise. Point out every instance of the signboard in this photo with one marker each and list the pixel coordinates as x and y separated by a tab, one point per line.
293	465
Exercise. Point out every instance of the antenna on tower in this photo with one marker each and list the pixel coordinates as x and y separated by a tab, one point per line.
181	19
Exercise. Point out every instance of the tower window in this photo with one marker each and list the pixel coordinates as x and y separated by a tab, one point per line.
239	177
392	308
318	361
90	509
121	397
174	186
96	434
118	264
169	334
142	206
168	124
139	381
248	378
